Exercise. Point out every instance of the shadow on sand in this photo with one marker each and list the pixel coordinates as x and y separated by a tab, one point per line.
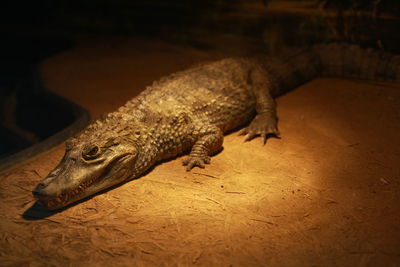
39	212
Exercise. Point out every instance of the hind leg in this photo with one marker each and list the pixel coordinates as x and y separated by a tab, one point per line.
265	122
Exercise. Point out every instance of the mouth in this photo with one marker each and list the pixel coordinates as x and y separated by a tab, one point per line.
67	197
80	192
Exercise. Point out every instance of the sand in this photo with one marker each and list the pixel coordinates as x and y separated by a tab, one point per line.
325	194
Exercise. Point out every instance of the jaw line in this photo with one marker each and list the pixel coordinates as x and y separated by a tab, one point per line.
94	186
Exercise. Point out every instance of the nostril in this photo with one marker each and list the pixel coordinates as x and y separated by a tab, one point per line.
40	186
38	191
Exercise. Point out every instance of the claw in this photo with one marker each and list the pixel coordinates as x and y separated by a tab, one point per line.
274	132
243	131
192	162
264	138
248	137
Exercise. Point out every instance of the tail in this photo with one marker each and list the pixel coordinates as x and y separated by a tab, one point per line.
334	60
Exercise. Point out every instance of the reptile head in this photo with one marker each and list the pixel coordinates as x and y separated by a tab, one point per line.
88	167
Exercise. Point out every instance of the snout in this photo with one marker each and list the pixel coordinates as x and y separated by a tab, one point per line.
44	191
38	191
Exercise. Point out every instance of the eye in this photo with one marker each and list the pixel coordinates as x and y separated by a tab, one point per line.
91	152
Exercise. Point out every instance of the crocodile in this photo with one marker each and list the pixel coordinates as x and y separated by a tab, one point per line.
189	111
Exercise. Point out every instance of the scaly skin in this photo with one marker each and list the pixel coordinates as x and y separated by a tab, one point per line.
186	112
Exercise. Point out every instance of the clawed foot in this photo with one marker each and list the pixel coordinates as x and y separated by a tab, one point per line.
263	125
196	161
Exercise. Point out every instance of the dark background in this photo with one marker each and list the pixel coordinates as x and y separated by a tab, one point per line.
362	21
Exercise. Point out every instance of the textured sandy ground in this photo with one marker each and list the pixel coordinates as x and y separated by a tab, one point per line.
326	194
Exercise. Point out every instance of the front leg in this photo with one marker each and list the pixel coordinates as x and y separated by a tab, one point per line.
209	141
